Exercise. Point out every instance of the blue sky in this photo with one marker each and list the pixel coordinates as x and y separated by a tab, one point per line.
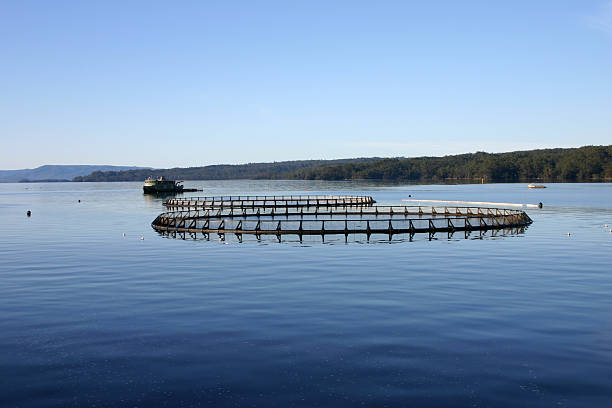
180	83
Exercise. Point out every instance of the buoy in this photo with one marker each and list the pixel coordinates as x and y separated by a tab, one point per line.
540	205
29	213
409	195
79	201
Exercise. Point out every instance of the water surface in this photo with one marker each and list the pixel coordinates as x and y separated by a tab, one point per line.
94	318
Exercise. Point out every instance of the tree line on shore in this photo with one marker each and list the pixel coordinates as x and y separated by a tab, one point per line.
588	163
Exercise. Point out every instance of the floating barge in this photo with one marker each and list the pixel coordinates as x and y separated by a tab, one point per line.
162	186
536	186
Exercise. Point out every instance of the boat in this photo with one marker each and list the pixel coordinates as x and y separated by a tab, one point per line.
161	185
536	186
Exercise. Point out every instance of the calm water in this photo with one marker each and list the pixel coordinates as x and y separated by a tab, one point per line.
92	318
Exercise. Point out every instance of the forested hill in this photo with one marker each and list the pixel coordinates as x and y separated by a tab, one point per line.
276	170
589	163
56	172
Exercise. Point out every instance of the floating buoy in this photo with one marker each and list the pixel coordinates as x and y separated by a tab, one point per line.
409	195
29	213
79	201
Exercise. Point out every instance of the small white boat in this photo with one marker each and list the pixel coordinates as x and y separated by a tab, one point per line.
536	186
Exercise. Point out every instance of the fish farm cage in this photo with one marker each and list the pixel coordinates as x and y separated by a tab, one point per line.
326	215
269	201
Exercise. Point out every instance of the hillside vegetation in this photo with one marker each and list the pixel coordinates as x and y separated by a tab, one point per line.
589	163
276	170
49	173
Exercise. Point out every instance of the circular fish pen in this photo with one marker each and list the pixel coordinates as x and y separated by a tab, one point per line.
326	215
269	201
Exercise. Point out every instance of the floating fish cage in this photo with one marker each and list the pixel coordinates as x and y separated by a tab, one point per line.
269	201
326	215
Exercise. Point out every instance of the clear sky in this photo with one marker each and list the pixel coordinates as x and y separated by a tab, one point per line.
177	83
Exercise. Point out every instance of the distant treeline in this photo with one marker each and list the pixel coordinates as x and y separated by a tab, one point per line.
44	181
589	163
276	170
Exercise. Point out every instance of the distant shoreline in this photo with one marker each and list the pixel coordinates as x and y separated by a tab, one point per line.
588	164
45	181
386	181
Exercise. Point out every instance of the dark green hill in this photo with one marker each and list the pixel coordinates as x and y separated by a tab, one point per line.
588	163
55	172
276	170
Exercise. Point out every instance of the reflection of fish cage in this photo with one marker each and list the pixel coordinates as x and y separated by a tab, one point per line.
320	216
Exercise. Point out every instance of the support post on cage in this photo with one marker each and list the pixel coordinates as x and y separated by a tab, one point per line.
239	229
431	229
